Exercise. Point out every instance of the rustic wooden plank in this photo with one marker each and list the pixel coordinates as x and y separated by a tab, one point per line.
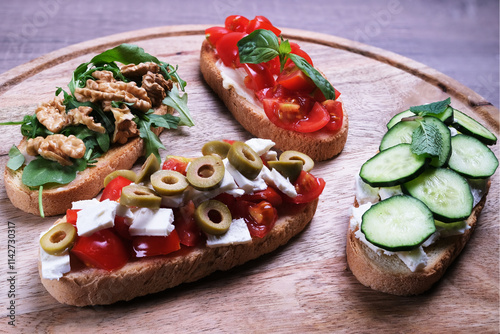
305	285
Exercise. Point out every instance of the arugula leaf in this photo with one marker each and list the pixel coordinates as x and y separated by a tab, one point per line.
32	128
179	103
431	108
16	158
320	81
258	47
41	172
151	141
427	140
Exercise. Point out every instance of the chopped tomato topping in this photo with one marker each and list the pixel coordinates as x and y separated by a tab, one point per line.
236	23
113	190
155	245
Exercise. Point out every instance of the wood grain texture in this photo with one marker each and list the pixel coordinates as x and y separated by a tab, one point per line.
304	286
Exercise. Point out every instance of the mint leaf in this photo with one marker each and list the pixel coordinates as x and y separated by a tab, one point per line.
427	140
259	47
179	103
431	108
324	85
16	158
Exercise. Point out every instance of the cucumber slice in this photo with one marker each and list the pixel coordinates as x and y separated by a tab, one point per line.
445	192
446	117
398	134
471	158
399	223
471	127
445	154
392	167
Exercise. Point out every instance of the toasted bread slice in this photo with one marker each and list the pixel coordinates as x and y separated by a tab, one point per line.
57	199
390	275
88	286
318	145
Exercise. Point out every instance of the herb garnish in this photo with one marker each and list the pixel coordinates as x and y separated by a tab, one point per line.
262	46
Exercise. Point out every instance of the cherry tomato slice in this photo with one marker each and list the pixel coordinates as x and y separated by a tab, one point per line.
236	23
334	108
213	34
175	163
294	79
156	245
114	188
308	188
299	52
270	195
289	116
186	227
259	77
260	22
227	48
72	216
122	228
262	217
103	250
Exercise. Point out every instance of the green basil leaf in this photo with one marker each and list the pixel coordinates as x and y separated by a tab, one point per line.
41	171
258	47
179	103
427	140
431	108
320	81
16	158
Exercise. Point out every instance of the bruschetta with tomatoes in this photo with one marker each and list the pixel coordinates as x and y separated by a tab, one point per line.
271	87
178	222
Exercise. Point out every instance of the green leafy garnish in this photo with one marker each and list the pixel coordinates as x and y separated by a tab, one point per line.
431	108
262	46
41	172
179	103
151	141
16	158
426	140
40	202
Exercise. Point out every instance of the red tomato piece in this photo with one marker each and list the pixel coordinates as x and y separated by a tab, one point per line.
175	163
229	141
114	188
260	22
227	48
155	245
334	108
186	227
308	188
236	23
262	216
270	195
213	34
317	118
122	228
103	250
299	52
273	65
294	79
259	77
72	216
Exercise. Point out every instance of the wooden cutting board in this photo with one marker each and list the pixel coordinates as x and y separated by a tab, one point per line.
304	286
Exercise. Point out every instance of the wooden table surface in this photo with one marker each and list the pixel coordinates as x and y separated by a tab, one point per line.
458	38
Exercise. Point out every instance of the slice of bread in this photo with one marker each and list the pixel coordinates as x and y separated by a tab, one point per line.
57	199
390	275
88	286
319	145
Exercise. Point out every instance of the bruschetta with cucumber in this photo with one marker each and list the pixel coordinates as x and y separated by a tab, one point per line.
418	199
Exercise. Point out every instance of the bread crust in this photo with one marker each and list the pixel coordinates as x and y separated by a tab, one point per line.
88	183
318	145
88	286
390	275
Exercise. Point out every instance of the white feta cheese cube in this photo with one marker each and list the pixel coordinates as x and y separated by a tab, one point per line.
275	178
79	205
93	218
259	145
238	233
249	186
54	266
152	222
173	201
227	184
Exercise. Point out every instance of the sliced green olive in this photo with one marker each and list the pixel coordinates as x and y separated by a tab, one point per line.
295	155
59	238
213	217
128	174
205	173
245	160
217	147
150	166
141	196
290	169
168	182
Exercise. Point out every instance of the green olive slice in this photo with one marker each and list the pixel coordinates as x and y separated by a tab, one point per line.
59	238
140	196
290	169
295	155
168	182
245	160
205	173
128	174
149	166
217	147
213	217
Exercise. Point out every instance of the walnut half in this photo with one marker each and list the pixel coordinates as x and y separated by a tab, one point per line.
52	114
57	148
